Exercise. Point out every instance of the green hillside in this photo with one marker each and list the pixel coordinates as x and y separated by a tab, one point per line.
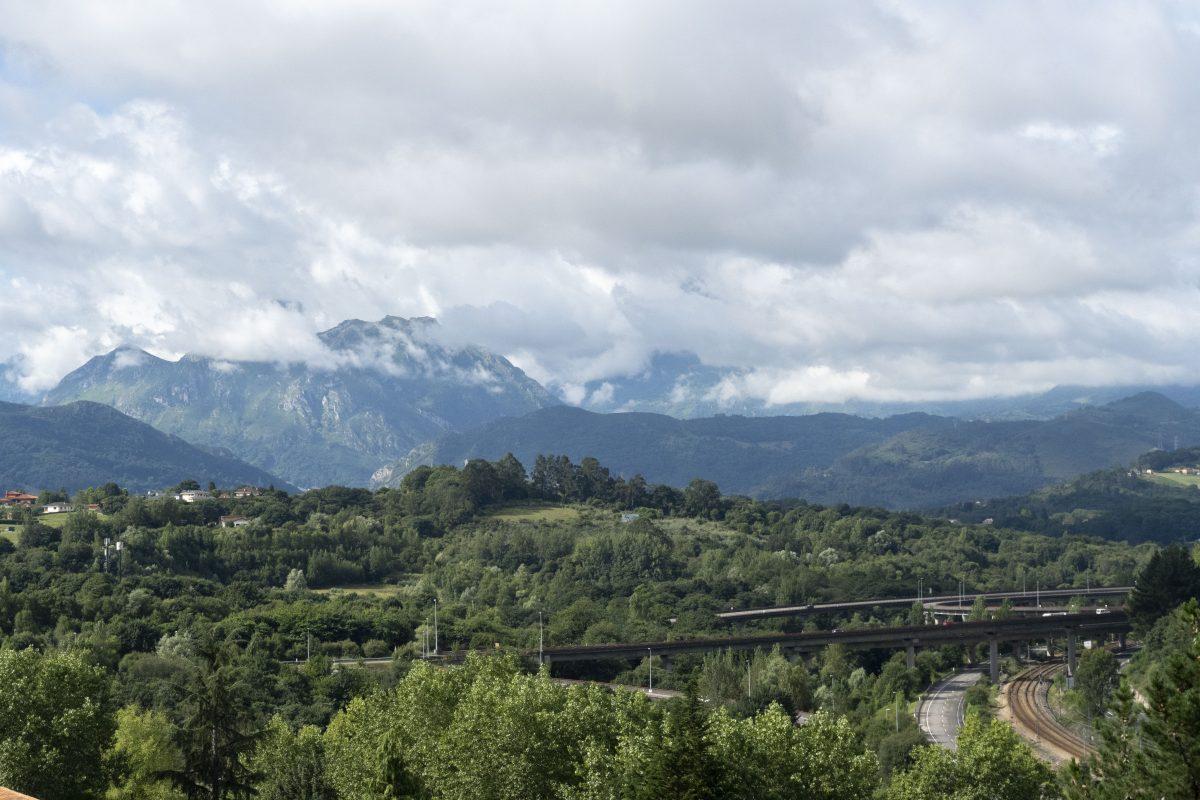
1122	503
87	444
907	461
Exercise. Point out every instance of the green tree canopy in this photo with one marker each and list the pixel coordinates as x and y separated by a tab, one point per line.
56	721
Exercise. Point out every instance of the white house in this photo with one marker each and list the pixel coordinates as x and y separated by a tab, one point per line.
193	495
234	521
58	508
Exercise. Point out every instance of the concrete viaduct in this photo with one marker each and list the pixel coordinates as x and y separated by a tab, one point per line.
750	614
1069	626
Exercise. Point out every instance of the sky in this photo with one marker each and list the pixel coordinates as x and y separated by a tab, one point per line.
874	200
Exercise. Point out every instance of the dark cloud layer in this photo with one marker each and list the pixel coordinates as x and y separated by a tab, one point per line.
878	200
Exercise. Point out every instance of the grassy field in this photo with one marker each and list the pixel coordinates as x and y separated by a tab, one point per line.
717	529
536	512
1174	479
372	589
49	520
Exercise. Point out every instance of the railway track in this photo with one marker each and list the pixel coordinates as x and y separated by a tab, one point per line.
1027	699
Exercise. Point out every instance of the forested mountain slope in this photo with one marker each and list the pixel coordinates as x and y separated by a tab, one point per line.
907	461
741	454
87	444
1121	503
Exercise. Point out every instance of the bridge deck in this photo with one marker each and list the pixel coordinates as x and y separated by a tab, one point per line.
913	635
819	608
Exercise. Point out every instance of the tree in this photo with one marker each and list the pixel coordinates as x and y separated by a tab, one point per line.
683	764
702	498
143	749
481	482
296	582
1170	578
1154	752
215	724
56	722
1096	678
991	763
511	474
292	764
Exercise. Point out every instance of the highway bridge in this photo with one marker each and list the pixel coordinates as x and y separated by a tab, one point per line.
1069	626
967	599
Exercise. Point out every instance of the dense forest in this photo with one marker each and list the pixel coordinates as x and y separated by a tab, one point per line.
196	660
1135	504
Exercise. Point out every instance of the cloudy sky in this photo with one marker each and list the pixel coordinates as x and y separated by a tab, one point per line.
878	200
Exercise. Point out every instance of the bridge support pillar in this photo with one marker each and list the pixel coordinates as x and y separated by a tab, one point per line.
994	660
910	655
1070	655
1121	640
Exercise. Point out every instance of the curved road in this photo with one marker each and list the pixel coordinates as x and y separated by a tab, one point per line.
940	712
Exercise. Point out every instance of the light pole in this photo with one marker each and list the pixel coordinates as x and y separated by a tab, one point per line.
541	641
435	631
650	661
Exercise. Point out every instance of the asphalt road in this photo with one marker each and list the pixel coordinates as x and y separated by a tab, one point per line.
940	712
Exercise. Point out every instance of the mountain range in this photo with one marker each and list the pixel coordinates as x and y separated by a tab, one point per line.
87	444
904	461
388	386
392	394
679	384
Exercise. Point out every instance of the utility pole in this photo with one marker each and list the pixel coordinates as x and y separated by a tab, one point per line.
106	543
308	648
650	661
541	641
435	630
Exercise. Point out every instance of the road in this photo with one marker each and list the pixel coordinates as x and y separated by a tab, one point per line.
967	598
657	694
940	712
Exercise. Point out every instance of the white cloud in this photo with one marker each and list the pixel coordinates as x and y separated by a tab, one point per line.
125	359
860	199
